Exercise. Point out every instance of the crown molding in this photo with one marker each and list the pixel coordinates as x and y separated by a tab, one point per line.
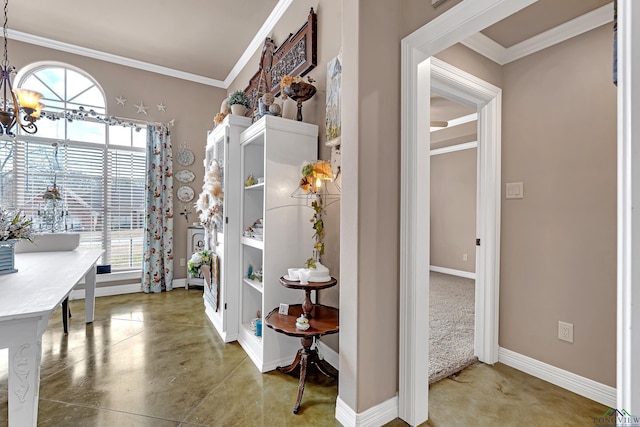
501	55
446	150
587	22
108	57
486	47
257	41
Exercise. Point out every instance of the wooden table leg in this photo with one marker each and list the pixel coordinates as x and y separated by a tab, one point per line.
296	361
307	305
65	315
319	364
306	353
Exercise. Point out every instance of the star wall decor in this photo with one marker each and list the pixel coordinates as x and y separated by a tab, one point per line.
121	100
172	122
161	107
141	108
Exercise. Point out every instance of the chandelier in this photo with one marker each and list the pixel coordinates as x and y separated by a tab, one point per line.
16	102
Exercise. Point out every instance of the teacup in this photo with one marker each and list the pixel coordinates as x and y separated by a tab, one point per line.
293	273
304	274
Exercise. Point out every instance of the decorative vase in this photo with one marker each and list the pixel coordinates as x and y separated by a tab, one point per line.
300	92
8	256
238	109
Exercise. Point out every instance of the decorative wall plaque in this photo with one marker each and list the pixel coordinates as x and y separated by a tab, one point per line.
295	57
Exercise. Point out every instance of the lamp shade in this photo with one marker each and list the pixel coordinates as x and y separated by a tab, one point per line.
36	113
28	99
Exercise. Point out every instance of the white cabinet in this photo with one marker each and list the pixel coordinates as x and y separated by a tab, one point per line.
223	145
273	149
195	243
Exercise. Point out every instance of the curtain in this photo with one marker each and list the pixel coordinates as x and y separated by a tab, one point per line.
157	265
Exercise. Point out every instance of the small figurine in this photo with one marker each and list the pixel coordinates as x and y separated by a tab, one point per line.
302	323
250	181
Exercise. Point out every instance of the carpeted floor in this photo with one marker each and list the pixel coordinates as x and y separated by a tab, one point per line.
451	319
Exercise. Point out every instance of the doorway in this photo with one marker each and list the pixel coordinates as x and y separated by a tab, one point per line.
445	80
453	161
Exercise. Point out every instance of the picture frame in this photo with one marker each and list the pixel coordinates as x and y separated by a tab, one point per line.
284	309
333	123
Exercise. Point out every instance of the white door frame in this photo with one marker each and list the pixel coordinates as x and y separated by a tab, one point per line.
628	328
418	69
455	84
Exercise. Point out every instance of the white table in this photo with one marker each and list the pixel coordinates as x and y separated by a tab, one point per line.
27	299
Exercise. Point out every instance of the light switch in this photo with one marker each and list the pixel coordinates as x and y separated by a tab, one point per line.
515	190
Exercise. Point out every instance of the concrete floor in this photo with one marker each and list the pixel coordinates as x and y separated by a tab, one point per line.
155	360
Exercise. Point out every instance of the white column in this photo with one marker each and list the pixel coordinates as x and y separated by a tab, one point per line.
628	366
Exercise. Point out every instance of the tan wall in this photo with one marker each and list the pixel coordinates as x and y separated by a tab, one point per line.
558	248
370	221
453	210
192	105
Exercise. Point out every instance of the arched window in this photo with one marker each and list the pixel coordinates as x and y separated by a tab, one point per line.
97	169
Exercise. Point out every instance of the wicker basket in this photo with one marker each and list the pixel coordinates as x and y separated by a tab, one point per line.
7	256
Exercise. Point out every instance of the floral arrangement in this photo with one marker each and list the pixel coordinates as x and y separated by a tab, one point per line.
197	260
14	225
287	80
218	118
210	201
312	176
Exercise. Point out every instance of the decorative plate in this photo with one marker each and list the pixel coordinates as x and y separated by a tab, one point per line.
185	175
185	193
185	157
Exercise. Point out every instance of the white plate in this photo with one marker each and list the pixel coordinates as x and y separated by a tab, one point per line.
321	279
286	277
185	157
185	175
185	193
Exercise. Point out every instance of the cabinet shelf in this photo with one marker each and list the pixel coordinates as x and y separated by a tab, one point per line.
255	284
223	146
273	148
254	243
259	186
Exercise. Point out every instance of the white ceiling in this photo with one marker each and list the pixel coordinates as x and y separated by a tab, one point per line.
210	41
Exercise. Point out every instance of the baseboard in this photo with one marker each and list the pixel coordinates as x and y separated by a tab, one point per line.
329	355
590	389
451	271
373	417
107	291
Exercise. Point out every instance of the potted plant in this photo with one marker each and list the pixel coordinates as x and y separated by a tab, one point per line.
239	102
14	226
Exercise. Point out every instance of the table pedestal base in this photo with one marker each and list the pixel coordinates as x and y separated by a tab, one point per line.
305	357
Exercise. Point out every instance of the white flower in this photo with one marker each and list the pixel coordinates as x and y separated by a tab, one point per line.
196	258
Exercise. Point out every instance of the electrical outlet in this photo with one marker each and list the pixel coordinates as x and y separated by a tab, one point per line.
565	331
465	257
182	262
